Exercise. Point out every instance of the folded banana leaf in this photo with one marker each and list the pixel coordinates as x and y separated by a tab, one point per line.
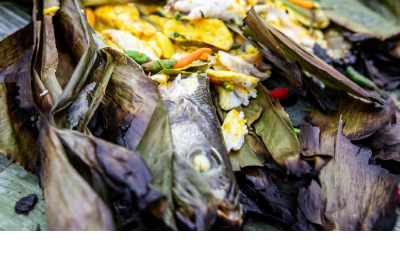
75	200
365	22
276	46
385	146
16	183
352	194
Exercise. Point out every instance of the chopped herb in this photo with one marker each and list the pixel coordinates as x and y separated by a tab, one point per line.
235	47
175	34
179	17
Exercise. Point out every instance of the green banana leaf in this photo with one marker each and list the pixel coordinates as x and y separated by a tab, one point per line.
388	9
16	183
362	20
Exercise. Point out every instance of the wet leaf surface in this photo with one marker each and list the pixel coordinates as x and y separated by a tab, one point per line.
16	183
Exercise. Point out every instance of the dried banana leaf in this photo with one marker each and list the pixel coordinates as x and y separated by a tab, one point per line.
287	51
260	196
352	195
71	204
385	145
361	119
16	183
123	170
282	152
358	18
17	136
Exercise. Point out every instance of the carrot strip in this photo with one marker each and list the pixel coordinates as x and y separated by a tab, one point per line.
214	81
303	3
191	58
90	15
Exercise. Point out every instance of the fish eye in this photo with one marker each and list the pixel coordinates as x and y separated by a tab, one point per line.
202	162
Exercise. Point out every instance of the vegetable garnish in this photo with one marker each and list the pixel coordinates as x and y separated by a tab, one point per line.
157	65
281	94
90	15
191	57
303	3
228	86
137	56
176	34
297	130
214	81
235	47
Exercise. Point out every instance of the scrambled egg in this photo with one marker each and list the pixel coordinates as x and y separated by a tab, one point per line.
234	129
237	79
286	21
239	65
126	41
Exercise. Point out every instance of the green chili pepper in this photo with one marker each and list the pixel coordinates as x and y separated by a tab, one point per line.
359	79
297	130
157	65
137	56
228	86
235	47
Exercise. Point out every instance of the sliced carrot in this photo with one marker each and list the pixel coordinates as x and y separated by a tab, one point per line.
191	57
204	56
90	15
214	81
303	3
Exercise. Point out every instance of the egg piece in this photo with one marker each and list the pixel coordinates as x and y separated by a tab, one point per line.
160	78
234	130
237	79
239	65
225	10
126	18
227	99
126	41
199	32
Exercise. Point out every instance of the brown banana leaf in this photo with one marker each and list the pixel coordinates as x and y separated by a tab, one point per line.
17	136
99	163
361	119
385	146
71	204
12	48
365	22
260	196
352	195
123	170
282	147
286	51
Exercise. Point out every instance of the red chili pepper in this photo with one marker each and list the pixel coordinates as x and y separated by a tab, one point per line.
398	191
281	94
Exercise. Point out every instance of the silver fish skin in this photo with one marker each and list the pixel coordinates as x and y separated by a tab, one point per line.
196	130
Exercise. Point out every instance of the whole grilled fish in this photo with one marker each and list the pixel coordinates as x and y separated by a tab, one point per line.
199	144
